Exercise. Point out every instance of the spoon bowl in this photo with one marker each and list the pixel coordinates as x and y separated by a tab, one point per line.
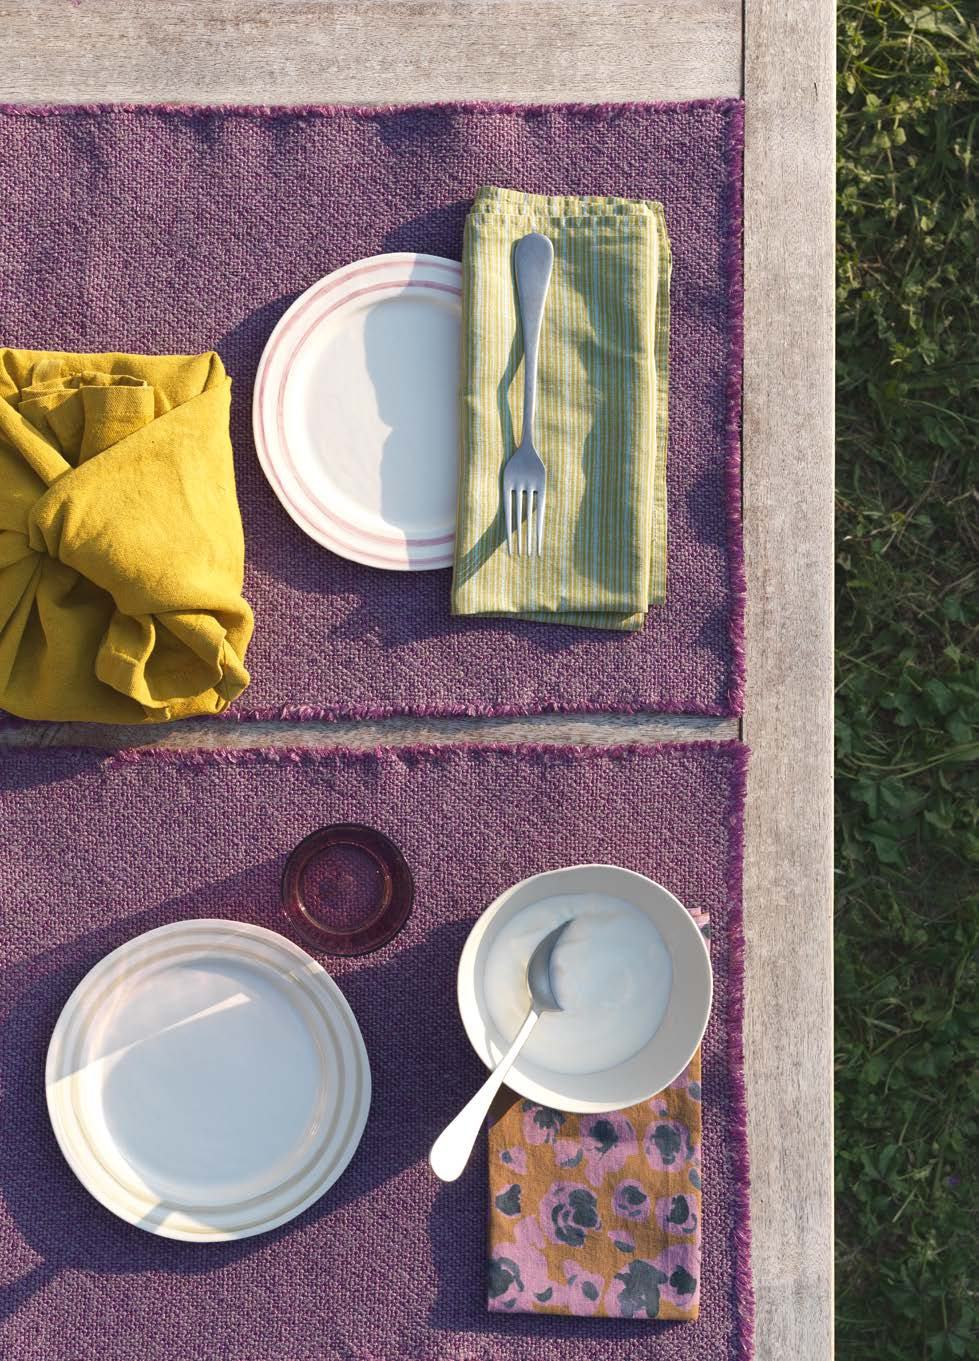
667	1052
539	984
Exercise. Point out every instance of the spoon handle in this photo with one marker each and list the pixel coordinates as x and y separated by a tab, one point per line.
452	1148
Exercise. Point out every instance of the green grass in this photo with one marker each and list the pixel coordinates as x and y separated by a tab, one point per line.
907	921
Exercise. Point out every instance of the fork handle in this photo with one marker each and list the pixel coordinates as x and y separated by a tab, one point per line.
533	258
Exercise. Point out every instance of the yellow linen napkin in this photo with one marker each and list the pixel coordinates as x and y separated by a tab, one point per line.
121	547
601	410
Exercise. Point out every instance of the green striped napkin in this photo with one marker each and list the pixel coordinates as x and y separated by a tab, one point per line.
601	411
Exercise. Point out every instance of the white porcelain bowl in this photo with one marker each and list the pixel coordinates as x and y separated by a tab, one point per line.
666	1053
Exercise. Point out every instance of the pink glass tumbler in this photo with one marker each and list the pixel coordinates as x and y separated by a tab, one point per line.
347	889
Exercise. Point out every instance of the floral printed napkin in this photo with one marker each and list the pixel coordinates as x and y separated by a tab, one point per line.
598	1214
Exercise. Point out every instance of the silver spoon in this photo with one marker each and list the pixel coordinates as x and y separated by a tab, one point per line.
452	1148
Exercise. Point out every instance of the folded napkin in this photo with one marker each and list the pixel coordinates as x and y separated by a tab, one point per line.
601	410
121	547
599	1214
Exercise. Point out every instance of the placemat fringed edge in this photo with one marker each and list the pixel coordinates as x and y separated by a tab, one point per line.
734	270
743	1290
744	1293
744	1300
734	108
599	111
417	751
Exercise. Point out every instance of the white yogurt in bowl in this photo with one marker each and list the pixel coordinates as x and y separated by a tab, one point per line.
632	974
611	971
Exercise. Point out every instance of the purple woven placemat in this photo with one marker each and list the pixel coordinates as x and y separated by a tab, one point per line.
185	230
389	1265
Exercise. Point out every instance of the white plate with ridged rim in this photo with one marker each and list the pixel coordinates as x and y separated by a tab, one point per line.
356	410
207	1081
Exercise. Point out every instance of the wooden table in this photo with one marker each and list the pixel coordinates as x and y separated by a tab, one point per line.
781	57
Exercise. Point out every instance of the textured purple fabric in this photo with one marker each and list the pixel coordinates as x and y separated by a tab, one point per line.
184	230
389	1265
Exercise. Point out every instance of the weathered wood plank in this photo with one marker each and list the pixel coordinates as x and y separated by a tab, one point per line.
368	51
378	51
585	729
788	502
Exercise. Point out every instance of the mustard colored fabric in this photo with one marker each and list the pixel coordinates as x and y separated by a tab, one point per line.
121	547
598	1215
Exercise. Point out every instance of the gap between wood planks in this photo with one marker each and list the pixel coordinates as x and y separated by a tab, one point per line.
584	729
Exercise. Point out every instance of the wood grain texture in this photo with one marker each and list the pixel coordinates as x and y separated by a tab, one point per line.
379	51
368	51
788	505
586	730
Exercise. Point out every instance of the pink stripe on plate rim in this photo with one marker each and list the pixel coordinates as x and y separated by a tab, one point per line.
337	306
272	353
353	550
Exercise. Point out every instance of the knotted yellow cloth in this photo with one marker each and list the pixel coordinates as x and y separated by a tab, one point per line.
121	547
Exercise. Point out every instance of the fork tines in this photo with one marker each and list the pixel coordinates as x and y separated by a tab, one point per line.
520	504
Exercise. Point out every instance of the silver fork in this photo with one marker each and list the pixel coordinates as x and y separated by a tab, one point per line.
524	474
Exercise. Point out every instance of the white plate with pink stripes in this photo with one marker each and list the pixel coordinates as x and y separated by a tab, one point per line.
356	411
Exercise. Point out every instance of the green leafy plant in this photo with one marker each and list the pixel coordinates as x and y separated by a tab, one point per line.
907	922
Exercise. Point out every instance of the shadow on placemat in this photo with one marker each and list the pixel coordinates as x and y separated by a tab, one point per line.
98	849
68	1229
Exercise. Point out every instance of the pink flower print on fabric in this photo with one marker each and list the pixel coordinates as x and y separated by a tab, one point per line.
518	1271
515	1158
623	1239
541	1125
508	1201
634	1292
604	1145
702	921
518	1279
631	1202
667	1145
584	1289
569	1213
677	1214
679	1084
638	1290
680	1264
